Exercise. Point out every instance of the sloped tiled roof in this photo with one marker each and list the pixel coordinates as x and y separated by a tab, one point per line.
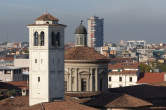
21	103
152	78
47	17
159	83
123	65
123	72
154	94
128	101
19	84
7	58
83	53
117	100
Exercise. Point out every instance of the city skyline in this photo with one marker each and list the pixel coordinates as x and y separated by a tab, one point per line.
126	20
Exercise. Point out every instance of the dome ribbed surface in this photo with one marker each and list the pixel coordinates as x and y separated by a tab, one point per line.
81	29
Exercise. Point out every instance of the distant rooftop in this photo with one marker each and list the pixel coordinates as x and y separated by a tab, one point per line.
47	17
9	67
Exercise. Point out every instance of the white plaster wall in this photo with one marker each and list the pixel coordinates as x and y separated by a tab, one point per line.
49	66
45	22
125	80
21	63
11	77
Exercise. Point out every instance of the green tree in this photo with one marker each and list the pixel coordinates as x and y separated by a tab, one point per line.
144	68
11	92
162	67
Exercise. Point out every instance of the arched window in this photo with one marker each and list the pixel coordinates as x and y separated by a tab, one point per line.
36	38
57	42
42	38
53	38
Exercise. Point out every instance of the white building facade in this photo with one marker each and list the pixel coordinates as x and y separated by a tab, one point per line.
134	43
122	79
10	73
95	32
46	52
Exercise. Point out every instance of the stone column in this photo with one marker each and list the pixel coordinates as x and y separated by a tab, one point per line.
67	79
91	83
79	82
12	75
70	86
77	79
71	73
96	79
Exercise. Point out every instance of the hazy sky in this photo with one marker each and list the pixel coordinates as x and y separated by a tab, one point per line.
123	19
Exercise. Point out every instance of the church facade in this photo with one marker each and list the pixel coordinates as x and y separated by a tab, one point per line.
85	69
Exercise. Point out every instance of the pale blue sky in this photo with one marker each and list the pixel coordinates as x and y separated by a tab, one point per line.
124	19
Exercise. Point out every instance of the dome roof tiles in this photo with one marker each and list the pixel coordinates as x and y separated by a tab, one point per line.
84	53
47	17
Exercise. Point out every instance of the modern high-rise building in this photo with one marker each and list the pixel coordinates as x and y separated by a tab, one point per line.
46	52
95	31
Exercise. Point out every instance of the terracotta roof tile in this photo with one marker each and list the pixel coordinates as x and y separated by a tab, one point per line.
159	83
152	78
14	84
21	103
117	100
123	65
19	84
128	101
83	53
7	58
154	94
124	72
47	17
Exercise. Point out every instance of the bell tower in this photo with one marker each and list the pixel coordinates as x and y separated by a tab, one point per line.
46	54
81	35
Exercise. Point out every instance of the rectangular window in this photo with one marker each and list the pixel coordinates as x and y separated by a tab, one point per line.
7	72
83	85
35	60
131	79
120	79
38	79
109	78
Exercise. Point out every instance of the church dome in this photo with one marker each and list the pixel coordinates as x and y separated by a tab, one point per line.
81	29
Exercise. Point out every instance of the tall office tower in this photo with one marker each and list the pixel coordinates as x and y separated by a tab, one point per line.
95	32
46	71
